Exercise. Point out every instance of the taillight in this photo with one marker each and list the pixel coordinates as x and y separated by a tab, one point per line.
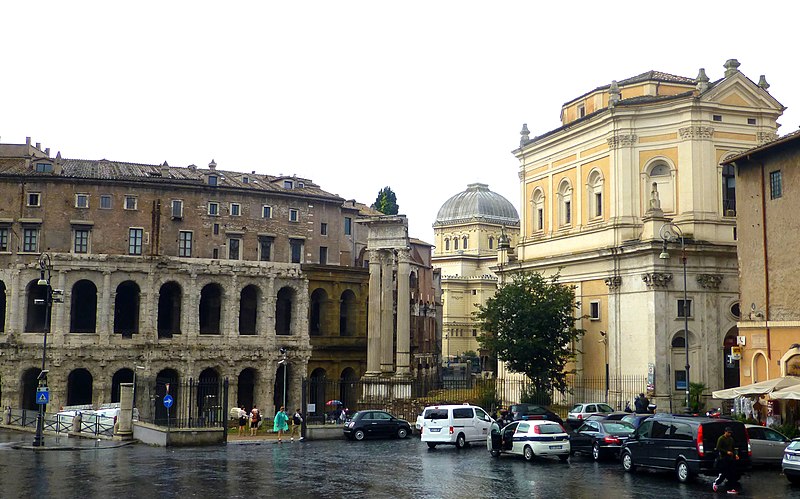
747	437
451	430
700	451
580	416
611	440
537	430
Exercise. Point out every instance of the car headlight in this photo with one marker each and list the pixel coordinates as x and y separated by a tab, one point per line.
351	424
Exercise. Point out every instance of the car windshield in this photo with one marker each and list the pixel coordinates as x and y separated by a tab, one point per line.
549	429
795	445
619	428
436	414
604	408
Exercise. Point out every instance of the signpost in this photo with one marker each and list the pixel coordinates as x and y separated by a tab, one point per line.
168	403
42	396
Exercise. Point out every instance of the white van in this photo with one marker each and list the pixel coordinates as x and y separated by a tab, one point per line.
455	425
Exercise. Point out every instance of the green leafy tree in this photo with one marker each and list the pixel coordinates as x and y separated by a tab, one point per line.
530	324
386	202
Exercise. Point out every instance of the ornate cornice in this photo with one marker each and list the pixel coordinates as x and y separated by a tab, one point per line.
764	137
657	279
696	132
617	141
709	281
613	282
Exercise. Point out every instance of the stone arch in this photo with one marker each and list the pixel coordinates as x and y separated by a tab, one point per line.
317	383
249	298
169	310
126	308
124	375
538	209
790	361
210	309
282	375
83	307
29	381
246	388
283	311
565	207
348	313
2	306
209	398
348	393
318	311
660	171
594	193
79	387
35	308
167	378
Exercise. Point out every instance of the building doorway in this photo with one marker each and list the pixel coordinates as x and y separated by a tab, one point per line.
730	367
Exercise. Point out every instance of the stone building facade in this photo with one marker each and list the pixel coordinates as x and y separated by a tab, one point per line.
187	273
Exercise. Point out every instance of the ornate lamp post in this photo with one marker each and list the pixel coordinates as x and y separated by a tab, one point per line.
671	232
45	268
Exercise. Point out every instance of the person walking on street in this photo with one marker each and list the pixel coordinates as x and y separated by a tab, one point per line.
242	421
255	417
280	424
726	462
297	421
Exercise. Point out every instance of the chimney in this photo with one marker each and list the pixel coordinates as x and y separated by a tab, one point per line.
39	146
47	152
212	165
192	167
27	141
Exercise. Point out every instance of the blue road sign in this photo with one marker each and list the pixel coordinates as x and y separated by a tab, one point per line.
42	396
168	401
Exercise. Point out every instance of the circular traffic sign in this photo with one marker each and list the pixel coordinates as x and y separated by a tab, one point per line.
168	401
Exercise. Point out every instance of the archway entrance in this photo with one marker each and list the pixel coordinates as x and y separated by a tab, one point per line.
122	376
730	367
316	392
79	387
29	382
166	377
277	399
245	394
208	399
347	388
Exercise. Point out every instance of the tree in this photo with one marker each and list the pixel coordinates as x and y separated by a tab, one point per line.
386	202
530	324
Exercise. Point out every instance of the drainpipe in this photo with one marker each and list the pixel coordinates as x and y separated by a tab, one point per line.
766	267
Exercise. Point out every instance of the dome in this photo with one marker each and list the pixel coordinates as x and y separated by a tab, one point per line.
477	203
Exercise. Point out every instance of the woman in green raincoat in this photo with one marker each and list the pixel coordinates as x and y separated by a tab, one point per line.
280	425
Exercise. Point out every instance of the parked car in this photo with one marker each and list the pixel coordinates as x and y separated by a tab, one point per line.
455	425
371	423
614	416
520	412
767	444
636	419
791	461
579	412
600	438
684	444
529	439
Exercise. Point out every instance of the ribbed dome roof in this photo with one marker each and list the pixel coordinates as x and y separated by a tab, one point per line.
477	203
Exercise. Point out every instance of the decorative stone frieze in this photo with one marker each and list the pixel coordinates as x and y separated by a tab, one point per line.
618	141
696	132
709	281
764	137
613	282
657	279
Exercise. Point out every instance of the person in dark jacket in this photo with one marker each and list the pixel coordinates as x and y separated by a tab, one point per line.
726	462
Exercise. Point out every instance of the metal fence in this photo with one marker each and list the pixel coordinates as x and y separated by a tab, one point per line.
91	424
195	403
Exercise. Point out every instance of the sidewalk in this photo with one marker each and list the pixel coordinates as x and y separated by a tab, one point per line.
261	438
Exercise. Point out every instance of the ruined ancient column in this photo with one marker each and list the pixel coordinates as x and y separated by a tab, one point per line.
403	314
387	313
374	311
124	427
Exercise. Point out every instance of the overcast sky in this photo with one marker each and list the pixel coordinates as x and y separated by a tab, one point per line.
422	96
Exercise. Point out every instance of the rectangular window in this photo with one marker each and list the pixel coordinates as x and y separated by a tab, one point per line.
717	117
598	204
213	209
540	219
296	246
233	248
105	202
177	208
3	239
594	310
567	212
81	241
44	167
474	333
775	185
236	209
581	111
30	240
34	199
680	380
348	226
130	202
684	308
265	248
751	121
294	215
215	253
287	184
212	180
474	292
245	180
266	211
215	229
185	243
323	255
135	237
323	229
81	200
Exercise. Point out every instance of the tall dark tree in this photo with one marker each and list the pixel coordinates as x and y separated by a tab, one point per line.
530	325
386	202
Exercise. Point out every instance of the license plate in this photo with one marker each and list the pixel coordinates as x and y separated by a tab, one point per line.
555	446
435	430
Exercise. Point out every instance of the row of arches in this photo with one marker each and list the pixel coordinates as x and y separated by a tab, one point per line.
458	243
325	319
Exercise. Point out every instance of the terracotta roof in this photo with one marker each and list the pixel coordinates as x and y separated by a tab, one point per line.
789	137
651	75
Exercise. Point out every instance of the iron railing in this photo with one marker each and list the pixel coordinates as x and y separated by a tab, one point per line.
196	404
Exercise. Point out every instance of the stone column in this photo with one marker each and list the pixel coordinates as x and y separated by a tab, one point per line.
124	427
387	314
403	314
374	311
105	320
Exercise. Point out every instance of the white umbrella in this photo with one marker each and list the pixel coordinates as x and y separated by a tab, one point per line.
790	393
760	388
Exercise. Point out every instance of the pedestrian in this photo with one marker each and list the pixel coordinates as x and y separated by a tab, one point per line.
641	403
242	421
297	421
726	462
279	424
255	417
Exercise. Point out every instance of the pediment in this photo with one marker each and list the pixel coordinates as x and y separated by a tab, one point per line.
738	90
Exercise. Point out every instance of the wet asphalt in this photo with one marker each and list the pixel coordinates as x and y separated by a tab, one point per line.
336	468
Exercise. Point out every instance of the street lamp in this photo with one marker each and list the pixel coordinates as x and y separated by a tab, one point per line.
45	268
285	366
671	232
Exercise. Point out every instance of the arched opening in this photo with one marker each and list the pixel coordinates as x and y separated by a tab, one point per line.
126	309
659	173
728	191
210	309
347	388
317	384
124	375
348	312
283	311
29	382
678	360
594	194
760	372
282	376
2	306
79	387
537	205
464	240
169	310
318	312
245	393
565	204
248	310
447	244
83	307
166	382
412	281
209	402
730	365
36	307
793	365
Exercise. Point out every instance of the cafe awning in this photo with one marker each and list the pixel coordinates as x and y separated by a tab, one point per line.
790	393
760	388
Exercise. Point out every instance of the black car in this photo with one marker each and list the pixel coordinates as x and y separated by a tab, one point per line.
684	444
636	419
519	412
375	424
600	438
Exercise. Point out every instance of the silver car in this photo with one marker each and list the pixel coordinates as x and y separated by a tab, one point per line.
579	412
791	462
767	444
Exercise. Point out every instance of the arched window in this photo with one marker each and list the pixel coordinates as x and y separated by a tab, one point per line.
455	243
169	310
728	191
210	312
594	194
83	307
491	242
660	173
447	244
565	204
538	210
464	240
283	311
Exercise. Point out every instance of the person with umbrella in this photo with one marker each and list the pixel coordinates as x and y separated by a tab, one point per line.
335	413
279	424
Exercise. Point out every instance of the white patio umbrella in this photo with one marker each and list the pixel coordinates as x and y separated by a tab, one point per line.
760	388
790	393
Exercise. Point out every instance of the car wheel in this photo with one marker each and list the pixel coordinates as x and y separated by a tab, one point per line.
627	462
431	445
793	479
682	472
359	435
596	452
402	433
495	453
461	441
563	458
528	453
